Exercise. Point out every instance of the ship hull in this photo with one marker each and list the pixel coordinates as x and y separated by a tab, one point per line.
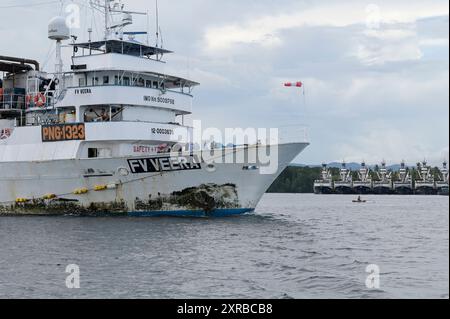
344	190
442	189
323	190
97	187
362	190
382	190
403	189
425	190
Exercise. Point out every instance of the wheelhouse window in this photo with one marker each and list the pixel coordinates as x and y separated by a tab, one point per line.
99	152
134	79
92	152
97	114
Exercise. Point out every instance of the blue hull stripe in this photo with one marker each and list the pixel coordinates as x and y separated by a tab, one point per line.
193	213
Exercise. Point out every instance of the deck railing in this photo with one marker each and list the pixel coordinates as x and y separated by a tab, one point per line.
12	102
20	102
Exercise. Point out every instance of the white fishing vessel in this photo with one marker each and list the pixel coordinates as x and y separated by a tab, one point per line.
442	183
107	135
425	184
403	185
384	183
324	185
364	183
345	184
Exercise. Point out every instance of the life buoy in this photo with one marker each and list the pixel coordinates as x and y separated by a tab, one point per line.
40	100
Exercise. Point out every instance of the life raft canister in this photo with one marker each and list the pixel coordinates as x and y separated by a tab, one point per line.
40	100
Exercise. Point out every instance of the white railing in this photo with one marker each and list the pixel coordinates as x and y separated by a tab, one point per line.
13	102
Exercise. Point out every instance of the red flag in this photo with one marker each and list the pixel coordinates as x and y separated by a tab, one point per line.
297	84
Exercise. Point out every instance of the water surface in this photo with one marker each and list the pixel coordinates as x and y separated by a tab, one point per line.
294	246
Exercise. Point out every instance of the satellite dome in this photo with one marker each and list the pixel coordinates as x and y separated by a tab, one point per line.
58	29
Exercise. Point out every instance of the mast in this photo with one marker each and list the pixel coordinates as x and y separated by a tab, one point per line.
157	24
106	19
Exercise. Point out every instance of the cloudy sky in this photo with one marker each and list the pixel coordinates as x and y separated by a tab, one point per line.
376	72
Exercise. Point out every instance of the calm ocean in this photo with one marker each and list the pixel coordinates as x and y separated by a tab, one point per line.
294	246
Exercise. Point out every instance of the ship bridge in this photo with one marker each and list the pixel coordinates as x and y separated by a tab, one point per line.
126	56
113	85
125	79
132	48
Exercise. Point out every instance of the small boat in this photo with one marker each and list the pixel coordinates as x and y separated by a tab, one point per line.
359	200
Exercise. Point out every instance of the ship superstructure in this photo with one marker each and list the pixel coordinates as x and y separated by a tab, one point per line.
364	183
325	184
442	183
404	185
425	185
345	184
108	134
384	183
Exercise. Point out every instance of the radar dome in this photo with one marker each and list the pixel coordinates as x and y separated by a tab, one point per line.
58	29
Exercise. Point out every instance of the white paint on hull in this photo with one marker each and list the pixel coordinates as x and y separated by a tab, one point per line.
34	180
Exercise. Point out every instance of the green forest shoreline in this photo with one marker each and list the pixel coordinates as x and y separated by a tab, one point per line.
296	179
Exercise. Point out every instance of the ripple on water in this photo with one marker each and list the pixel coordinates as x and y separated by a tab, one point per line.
316	246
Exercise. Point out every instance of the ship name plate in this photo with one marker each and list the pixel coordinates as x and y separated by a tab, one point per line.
164	164
63	132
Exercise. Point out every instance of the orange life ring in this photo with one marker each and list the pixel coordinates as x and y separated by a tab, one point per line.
40	100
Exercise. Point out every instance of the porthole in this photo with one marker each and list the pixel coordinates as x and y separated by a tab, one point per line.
211	168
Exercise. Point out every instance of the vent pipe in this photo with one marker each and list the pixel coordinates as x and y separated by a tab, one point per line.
21	61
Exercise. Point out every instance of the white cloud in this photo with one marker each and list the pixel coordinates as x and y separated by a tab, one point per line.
434	42
390	144
264	29
363	73
376	53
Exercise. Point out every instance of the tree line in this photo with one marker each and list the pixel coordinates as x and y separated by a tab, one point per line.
301	179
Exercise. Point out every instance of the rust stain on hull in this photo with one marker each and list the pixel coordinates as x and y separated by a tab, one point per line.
61	207
206	197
